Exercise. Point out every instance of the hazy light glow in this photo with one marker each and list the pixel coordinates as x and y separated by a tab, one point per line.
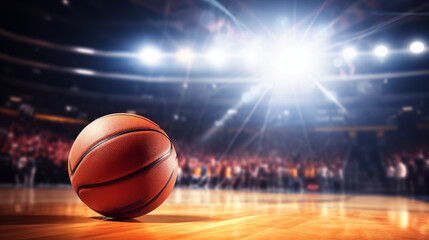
216	56
218	123
150	56
84	72
338	62
185	55
417	47
407	108
349	53
294	60
85	50
231	111
251	54
381	51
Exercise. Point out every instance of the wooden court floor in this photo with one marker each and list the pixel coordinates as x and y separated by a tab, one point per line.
211	214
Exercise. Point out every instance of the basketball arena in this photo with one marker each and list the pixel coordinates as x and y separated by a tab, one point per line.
214	119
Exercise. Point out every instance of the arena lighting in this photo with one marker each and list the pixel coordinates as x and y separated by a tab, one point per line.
338	62
84	50
251	54
417	47
231	111
15	99
185	55
216	56
84	71
150	55
349	53
251	95
218	123
294	60
381	51
407	108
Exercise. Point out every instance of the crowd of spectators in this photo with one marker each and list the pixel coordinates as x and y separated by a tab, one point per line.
279	161
407	164
36	152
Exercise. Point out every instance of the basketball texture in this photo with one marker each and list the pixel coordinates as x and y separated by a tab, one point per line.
122	165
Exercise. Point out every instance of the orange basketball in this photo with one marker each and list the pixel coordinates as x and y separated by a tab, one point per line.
122	165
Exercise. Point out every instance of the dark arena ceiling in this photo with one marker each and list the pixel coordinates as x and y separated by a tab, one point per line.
94	48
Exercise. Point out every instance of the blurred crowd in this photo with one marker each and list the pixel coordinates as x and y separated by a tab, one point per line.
243	171
36	152
286	162
32	153
407	165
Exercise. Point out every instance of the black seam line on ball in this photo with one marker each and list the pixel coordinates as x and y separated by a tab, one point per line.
110	137
128	175
154	198
70	167
131	115
115	114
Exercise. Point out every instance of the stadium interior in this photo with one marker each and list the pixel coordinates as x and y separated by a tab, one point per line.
289	97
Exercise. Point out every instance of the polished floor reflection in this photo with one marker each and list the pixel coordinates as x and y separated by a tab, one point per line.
207	214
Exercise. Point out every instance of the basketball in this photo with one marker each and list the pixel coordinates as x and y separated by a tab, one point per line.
214	119
122	165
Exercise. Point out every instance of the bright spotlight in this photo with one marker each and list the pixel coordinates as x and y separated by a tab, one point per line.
231	111
417	47
84	50
216	56
150	56
218	123
250	57
349	53
84	71
294	61
381	51
251	54
185	55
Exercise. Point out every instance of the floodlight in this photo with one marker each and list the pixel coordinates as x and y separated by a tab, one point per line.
417	47
294	60
84	71
185	55
381	51
216	56
349	53
250	55
150	55
231	111
84	50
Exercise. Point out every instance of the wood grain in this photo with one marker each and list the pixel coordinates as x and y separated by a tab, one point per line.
211	214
